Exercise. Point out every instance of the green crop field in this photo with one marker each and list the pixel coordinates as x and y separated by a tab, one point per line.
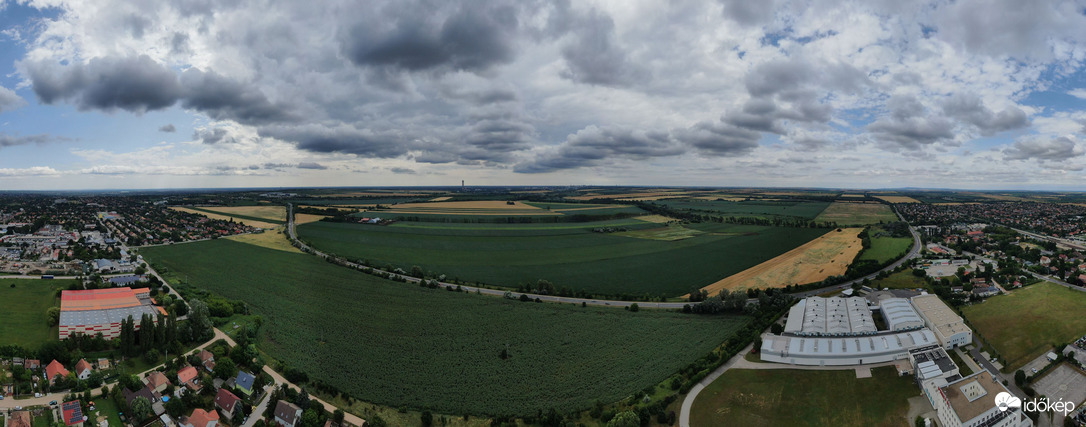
845	213
1029	321
787	397
900	280
886	248
24	322
577	258
753	208
398	344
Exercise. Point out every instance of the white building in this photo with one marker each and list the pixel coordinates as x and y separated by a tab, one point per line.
839	351
900	314
817	316
970	402
949	328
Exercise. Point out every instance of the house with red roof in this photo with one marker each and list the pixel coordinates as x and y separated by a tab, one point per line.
53	370
226	401
73	414
188	376
32	364
201	418
287	414
82	369
207	359
157	381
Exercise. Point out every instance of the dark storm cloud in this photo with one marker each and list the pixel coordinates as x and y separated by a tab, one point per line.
11	141
311	165
594	57
168	128
970	109
424	36
590	146
343	139
750	13
136	24
225	99
719	139
213	136
179	43
137	84
1054	150
909	126
402	171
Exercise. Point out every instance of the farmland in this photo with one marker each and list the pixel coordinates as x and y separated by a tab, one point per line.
850	214
799	397
885	247
900	280
897	199
566	254
760	208
398	344
828	255
250	221
24	305
1029	321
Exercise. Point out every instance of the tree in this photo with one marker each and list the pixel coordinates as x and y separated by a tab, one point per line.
175	407
239	416
776	329
634	307
141	409
427	419
52	316
625	419
225	369
337	416
1019	378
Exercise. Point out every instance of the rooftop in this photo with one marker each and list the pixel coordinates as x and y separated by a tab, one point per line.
973	395
941	317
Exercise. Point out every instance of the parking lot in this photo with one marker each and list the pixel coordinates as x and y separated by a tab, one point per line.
1064	382
1038	363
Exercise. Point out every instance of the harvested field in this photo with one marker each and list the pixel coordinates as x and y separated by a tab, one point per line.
440	199
258	224
853	195
897	199
476	204
307	218
844	213
828	255
379	194
662	194
659	219
274	213
648	199
271	239
667	234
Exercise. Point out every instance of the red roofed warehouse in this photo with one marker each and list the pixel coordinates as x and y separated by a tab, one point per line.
96	311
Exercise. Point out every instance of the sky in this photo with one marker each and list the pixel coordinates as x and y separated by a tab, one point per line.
115	94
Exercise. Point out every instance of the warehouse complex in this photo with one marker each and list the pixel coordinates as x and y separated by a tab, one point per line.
94	311
840	331
949	328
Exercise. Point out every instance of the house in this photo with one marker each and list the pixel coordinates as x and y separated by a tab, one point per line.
82	369
103	363
32	364
54	370
20	419
157	381
957	289
226	401
73	414
244	382
188	376
201	418
287	414
985	290
1045	260
207	359
145	393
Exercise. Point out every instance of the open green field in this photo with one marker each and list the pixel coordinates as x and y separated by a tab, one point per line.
885	248
844	213
787	397
577	258
399	344
753	208
23	321
1029	321
900	280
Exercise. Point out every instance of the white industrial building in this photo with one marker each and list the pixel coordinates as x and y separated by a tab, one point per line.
949	328
838	351
900	315
817	316
970	402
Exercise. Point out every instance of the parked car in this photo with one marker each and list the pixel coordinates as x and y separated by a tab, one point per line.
54	403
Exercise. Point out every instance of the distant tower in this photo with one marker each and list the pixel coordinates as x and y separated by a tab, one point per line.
461	185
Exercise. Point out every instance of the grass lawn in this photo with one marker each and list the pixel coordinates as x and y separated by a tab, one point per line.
1029	321
24	321
900	280
398	344
745	397
886	248
641	263
42	421
104	406
857	214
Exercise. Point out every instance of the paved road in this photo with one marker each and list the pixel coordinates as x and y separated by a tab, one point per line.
988	366
592	301
259	409
348	417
